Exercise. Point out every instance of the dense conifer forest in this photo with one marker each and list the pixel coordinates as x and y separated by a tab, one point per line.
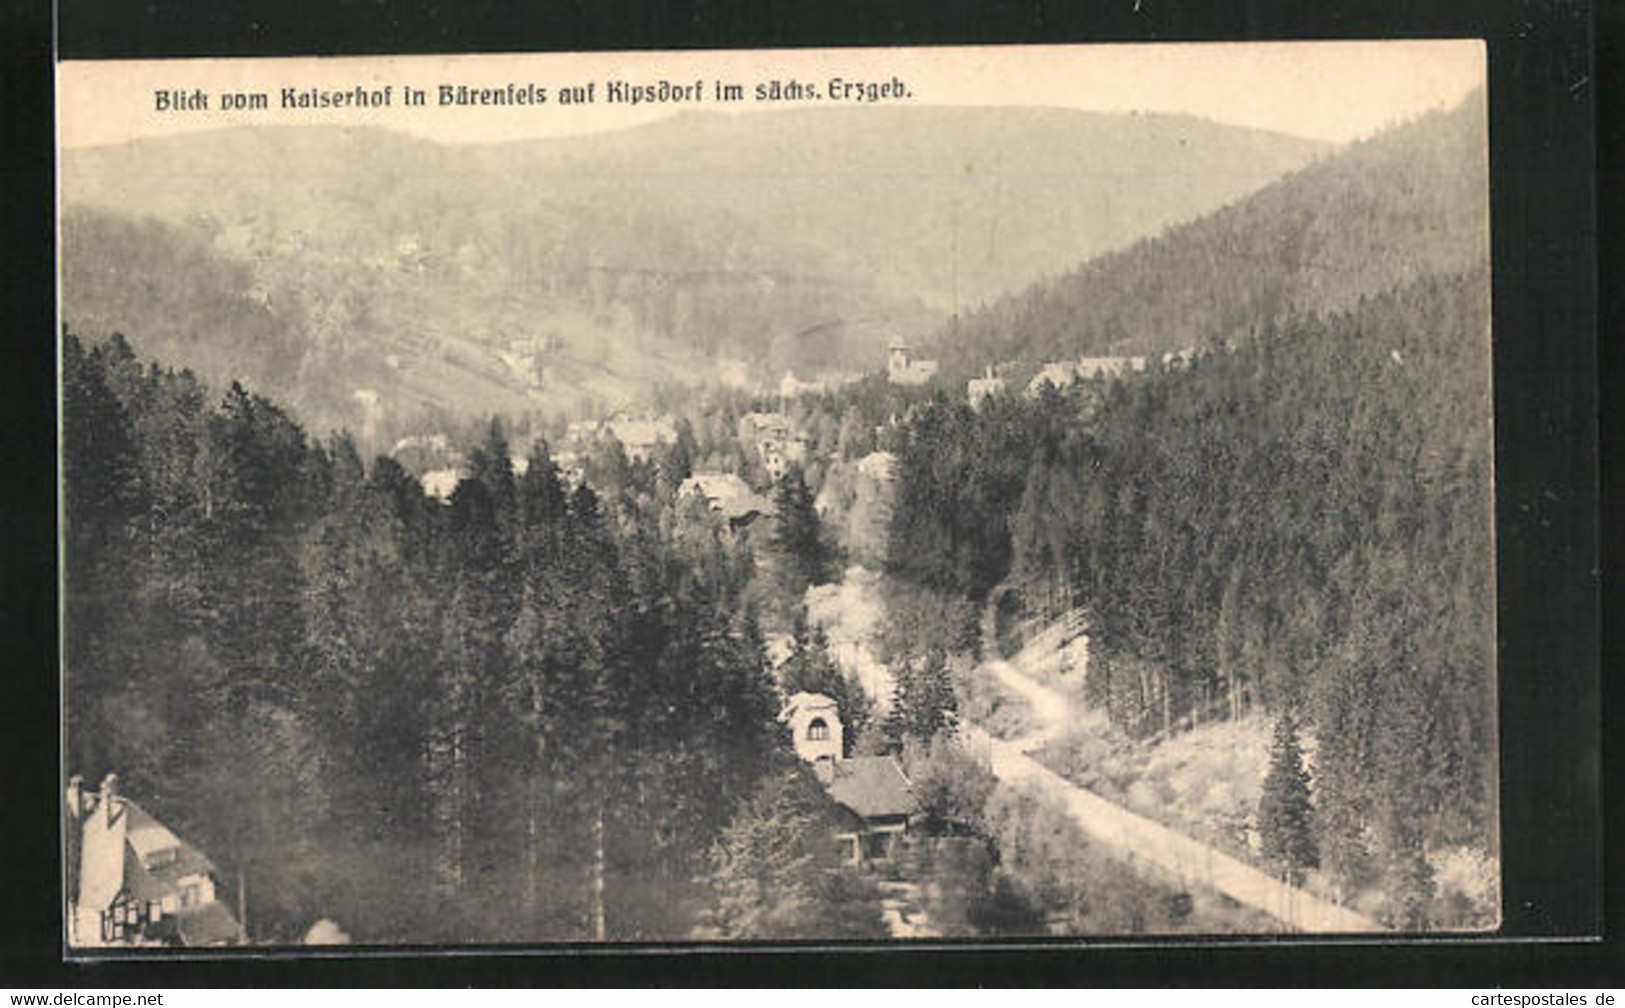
1300	525
380	707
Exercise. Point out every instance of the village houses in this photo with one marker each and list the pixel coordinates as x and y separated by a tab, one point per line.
1061	374
637	436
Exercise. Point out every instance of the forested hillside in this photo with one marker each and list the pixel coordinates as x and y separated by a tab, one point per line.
1302	525
393	279
379	707
392	346
1410	202
950	206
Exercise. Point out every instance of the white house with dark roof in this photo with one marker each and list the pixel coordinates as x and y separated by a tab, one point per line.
873	794
815	726
131	881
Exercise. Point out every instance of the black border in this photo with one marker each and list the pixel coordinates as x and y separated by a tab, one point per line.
1543	176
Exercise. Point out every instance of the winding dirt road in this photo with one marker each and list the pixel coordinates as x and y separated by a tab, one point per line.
1138	838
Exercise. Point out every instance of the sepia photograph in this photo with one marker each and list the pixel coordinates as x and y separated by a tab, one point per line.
817	496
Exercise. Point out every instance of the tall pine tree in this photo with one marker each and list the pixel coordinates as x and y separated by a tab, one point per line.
1285	813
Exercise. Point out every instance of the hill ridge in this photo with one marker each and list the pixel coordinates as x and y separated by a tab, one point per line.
1373	215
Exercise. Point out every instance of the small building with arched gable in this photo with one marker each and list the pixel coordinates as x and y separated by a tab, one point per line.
815	726
873	794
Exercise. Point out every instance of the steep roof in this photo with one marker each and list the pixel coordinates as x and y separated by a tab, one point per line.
131	850
123	849
727	493
872	786
153	879
809	702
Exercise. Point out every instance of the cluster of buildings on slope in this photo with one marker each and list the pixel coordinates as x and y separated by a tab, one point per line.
775	441
770	437
1063	374
901	369
445	467
638	436
131	881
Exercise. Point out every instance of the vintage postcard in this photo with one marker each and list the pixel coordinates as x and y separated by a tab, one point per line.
809	495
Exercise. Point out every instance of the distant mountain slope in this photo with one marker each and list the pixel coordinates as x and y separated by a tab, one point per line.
944	204
1409	202
338	268
372	348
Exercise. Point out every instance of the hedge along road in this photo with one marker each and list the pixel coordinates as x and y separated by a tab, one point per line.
1138	838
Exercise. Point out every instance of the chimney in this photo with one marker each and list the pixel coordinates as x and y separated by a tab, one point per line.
76	796
109	792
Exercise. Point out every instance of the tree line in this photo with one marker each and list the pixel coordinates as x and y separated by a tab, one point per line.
525	713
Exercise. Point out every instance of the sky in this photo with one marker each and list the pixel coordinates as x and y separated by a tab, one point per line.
1332	91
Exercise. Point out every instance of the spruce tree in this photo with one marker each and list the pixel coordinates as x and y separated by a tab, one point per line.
923	702
1285	815
796	530
1409	877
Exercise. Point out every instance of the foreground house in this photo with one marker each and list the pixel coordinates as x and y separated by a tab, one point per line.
131	881
873	794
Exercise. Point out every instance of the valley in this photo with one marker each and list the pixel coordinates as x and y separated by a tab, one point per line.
699	251
910	523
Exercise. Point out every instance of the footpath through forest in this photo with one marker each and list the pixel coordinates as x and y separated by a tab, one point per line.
1136	837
